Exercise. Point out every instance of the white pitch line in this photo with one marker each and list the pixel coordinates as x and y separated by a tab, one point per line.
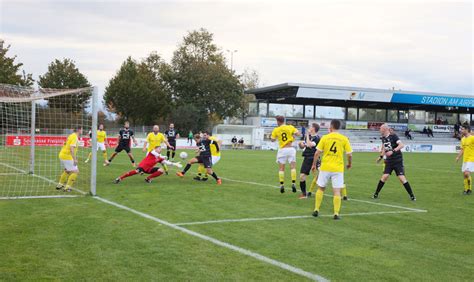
287	217
40	177
351	199
240	250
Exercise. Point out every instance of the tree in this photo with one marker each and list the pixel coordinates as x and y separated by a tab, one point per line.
201	77
10	72
138	91
250	79
65	75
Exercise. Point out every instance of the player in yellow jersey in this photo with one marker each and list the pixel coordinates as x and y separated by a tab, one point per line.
286	152
101	144
68	159
215	156
153	140
467	152
332	146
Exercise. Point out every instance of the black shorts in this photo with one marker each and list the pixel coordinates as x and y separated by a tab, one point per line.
121	148
308	164
206	161
172	143
141	170
397	167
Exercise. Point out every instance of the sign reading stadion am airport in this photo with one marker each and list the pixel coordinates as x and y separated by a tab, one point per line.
385	96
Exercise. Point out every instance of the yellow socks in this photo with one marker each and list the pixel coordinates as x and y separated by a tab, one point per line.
281	177
337	204
104	154
344	191
89	156
71	180
293	175
313	185
63	178
467	184
319	199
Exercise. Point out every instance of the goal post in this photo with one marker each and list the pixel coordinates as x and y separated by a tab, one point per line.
34	126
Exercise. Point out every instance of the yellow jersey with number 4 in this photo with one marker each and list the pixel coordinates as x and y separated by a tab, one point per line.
72	141
333	147
467	144
154	140
284	134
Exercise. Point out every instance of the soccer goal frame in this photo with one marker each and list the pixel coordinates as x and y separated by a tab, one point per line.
24	98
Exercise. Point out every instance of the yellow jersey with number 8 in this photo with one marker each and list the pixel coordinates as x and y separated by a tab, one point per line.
72	141
333	147
284	134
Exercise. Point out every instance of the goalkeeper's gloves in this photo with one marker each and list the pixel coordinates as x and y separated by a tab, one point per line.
176	164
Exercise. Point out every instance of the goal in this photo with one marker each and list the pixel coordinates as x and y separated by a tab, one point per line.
34	125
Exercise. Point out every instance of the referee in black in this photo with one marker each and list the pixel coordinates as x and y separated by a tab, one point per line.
391	150
311	140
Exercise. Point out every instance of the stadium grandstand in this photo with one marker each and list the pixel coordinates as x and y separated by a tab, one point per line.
413	115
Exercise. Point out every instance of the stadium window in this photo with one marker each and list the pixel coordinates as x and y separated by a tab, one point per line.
262	109
352	114
448	118
324	112
380	115
253	109
285	110
465	118
417	116
430	117
403	116
392	116
371	114
309	111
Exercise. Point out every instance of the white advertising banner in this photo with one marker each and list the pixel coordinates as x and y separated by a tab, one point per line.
335	94
443	128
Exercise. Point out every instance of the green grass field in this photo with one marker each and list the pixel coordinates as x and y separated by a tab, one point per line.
83	238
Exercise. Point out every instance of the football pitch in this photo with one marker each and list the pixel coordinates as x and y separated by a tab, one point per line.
244	229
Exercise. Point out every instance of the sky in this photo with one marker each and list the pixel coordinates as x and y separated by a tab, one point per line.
409	45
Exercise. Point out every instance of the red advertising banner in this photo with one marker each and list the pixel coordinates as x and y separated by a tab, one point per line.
51	141
375	125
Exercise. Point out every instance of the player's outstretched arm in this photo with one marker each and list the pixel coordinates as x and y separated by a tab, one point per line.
316	157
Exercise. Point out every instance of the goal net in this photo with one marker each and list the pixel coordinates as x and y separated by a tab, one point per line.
34	127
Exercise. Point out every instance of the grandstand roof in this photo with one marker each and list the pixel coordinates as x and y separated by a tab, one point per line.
298	93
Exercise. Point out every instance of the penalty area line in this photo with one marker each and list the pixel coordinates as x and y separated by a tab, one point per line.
350	199
287	217
217	242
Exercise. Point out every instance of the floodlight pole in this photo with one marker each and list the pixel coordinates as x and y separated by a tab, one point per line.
95	99
232	58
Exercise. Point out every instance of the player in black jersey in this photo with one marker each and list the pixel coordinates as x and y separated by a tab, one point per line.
391	149
204	157
234	142
125	136
311	140
171	134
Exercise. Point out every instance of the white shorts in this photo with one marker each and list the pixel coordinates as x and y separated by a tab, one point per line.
101	146
285	155
468	166
337	179
68	165
215	159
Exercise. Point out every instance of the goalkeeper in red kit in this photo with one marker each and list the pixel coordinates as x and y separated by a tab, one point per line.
147	165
